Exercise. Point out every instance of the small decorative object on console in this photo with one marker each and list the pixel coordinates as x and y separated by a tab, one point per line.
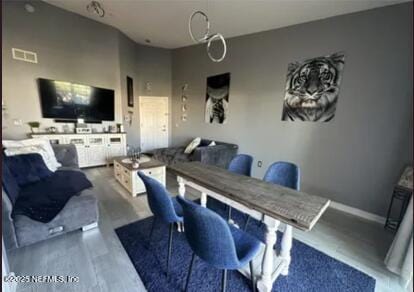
51	130
34	126
112	129
83	130
66	129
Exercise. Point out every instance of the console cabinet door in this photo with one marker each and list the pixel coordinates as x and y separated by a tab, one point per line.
96	150
81	147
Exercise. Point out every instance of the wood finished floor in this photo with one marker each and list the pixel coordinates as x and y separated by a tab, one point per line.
98	258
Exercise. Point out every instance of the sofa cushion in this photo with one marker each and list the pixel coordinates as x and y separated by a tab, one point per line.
192	146
204	143
10	185
181	157
79	211
27	168
43	200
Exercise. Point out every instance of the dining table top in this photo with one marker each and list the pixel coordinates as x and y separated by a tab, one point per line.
295	208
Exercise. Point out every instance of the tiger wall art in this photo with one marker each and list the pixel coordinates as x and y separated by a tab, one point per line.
312	89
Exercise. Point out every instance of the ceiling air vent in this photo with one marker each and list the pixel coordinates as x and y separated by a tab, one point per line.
23	55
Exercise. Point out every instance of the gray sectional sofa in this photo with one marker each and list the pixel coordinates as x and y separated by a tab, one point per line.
79	212
220	155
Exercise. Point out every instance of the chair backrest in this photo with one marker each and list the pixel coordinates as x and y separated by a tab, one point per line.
208	235
159	199
283	173
241	164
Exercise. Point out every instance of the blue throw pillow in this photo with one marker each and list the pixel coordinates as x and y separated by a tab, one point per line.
27	168
10	185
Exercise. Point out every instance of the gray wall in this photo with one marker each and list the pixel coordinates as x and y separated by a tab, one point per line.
354	159
73	48
143	64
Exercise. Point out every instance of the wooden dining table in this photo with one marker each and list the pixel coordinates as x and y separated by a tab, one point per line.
270	203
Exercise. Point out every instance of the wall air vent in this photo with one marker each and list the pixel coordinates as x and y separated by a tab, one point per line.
23	55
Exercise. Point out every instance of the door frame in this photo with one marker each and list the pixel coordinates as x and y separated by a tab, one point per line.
141	98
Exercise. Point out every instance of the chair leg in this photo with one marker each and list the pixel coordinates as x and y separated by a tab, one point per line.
170	237
152	229
224	281
189	272
229	213
247	222
252	276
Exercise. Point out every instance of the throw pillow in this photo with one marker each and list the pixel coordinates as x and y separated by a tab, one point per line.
27	168
38	145
212	144
192	146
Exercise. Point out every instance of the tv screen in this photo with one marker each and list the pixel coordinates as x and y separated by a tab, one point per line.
70	101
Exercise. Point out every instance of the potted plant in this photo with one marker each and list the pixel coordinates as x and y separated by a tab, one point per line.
34	126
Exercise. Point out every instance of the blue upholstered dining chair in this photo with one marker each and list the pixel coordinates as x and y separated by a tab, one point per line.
165	209
240	164
282	173
216	242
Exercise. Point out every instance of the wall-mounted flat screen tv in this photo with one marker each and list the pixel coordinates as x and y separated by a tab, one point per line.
63	100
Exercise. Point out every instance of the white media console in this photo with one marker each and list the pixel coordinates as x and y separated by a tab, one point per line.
93	149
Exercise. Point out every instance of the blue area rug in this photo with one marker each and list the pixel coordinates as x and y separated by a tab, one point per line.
310	269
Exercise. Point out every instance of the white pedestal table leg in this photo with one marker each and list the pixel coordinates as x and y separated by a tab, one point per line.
181	186
265	282
285	249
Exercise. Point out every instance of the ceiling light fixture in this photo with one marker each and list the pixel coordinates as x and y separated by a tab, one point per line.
207	37
95	7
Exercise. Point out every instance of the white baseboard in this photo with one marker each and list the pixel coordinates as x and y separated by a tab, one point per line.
357	212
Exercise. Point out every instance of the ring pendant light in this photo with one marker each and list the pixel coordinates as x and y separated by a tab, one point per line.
207	37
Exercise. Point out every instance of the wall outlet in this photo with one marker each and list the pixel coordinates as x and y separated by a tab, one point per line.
17	122
259	163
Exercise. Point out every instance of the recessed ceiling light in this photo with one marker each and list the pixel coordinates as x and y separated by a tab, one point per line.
148	41
29	8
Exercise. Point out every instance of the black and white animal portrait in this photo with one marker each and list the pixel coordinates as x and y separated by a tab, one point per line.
217	98
312	89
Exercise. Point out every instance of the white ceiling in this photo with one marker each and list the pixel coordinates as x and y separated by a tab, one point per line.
164	22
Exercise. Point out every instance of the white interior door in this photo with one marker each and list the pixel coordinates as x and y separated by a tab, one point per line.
153	112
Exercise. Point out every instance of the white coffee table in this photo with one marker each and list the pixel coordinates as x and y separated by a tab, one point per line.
127	176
